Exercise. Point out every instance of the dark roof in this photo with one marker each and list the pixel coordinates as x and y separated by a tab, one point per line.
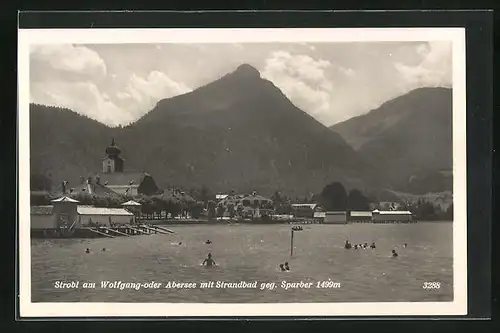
42	210
115	178
122	178
256	197
92	189
113	148
177	194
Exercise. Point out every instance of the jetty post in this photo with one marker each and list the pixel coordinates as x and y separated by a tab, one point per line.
291	243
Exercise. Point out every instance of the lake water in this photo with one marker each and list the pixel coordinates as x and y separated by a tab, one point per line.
252	253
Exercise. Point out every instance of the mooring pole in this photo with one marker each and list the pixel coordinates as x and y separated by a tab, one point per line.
291	244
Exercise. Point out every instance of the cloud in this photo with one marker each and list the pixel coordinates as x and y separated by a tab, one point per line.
348	72
69	58
76	77
302	79
146	92
81	97
117	84
434	68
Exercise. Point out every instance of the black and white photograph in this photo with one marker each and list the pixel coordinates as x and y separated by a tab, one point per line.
217	172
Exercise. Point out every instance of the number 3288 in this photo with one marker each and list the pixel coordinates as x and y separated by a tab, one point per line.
431	285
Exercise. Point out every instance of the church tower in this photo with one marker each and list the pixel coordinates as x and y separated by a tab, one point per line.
112	162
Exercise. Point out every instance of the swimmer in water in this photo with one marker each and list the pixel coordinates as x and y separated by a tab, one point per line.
365	245
286	266
208	241
103	249
405	245
347	245
372	246
355	246
282	268
87	251
394	254
180	243
209	261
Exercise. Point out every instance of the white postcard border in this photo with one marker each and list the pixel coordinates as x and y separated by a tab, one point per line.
458	306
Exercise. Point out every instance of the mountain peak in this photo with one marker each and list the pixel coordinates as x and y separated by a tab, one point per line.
246	70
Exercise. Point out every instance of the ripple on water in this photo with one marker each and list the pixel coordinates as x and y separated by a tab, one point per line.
253	253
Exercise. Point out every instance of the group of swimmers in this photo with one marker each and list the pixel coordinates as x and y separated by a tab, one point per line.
284	267
364	246
88	250
208	241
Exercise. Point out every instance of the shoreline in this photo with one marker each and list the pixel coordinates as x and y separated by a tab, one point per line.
158	228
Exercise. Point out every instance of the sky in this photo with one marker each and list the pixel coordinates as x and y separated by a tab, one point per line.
117	84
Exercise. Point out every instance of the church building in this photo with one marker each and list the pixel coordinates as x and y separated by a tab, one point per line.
112	162
114	179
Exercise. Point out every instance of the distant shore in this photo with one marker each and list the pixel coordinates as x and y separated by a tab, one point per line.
263	222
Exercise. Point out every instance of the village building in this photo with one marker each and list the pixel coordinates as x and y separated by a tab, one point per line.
360	216
255	205
306	210
90	185
221	197
247	206
319	216
335	217
379	216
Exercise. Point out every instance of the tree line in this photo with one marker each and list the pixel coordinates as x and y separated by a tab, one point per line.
424	210
155	206
333	197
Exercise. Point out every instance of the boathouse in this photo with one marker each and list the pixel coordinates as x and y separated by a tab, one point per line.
60	216
335	218
391	216
306	210
42	217
360	216
89	216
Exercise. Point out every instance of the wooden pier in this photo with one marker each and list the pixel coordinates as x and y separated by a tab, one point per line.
116	231
138	230
164	229
100	233
155	230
